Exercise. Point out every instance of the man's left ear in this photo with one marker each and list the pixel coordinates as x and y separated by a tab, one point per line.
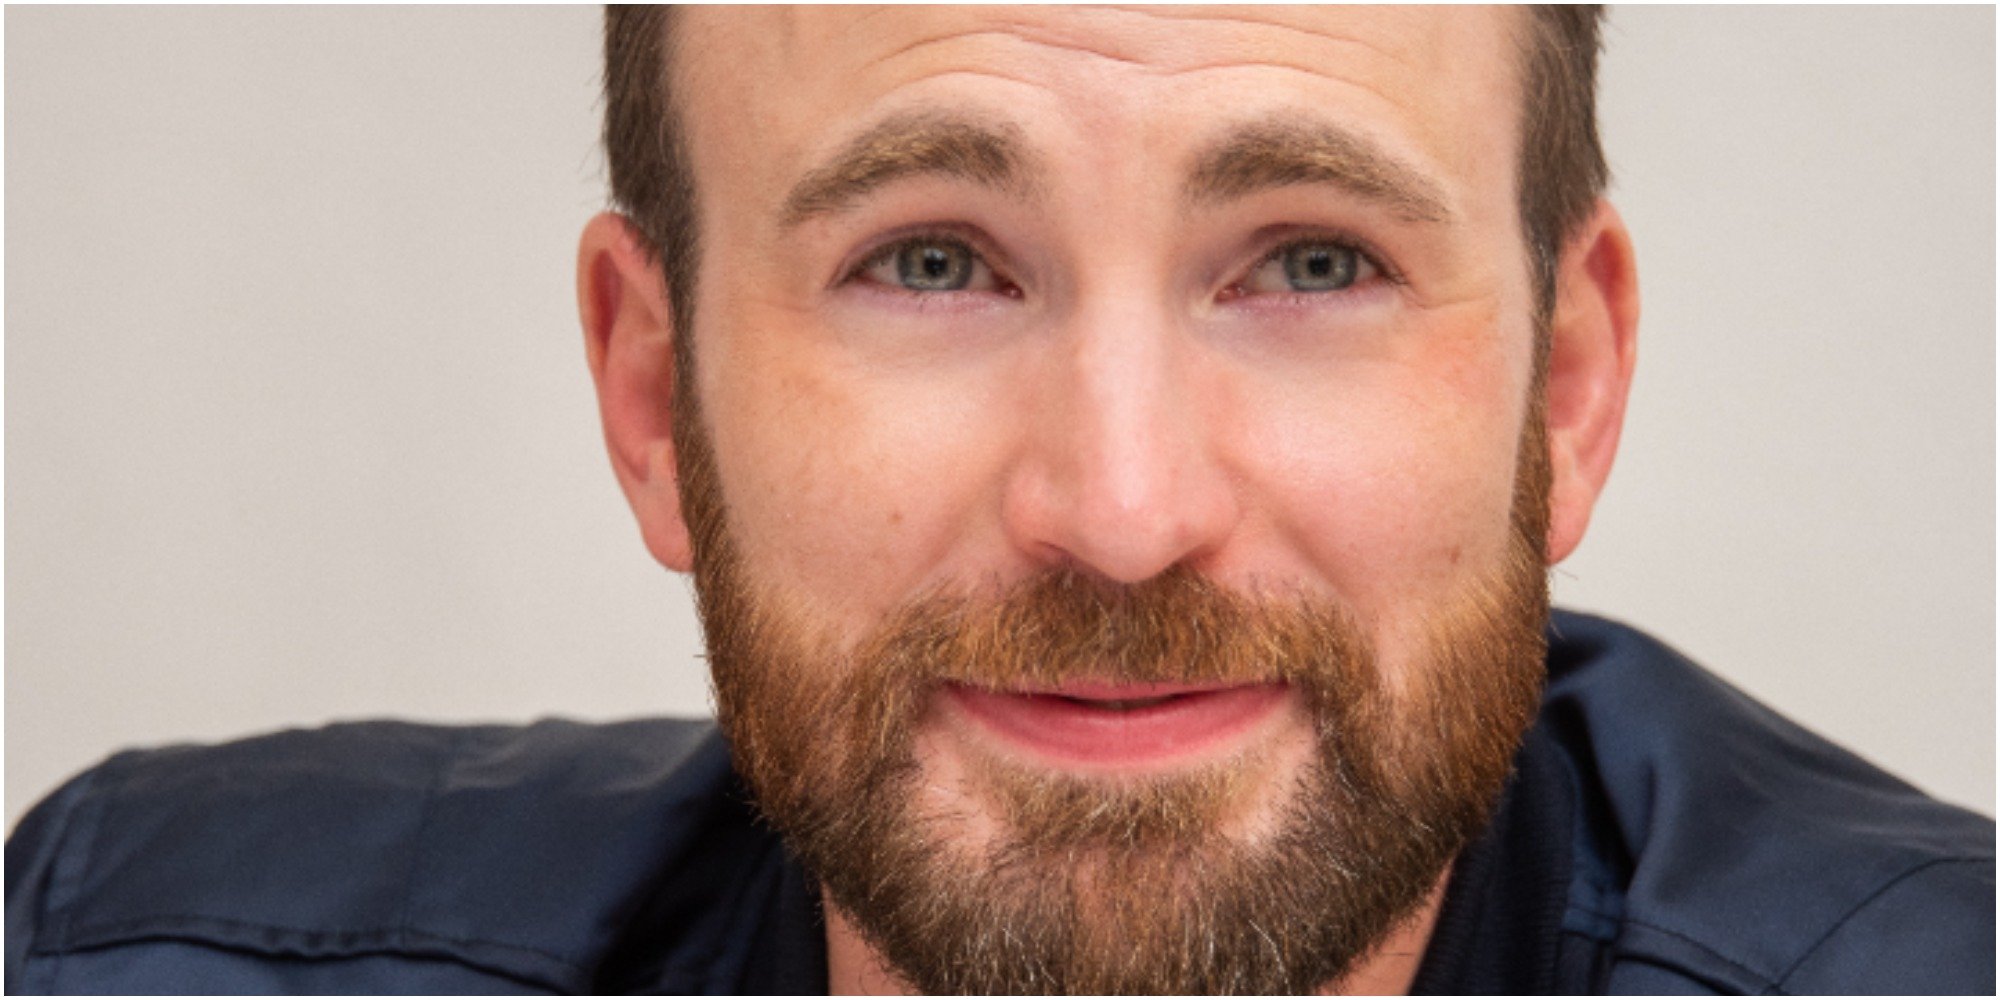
1593	345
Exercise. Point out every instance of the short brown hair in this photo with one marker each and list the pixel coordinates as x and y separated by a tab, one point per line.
1562	170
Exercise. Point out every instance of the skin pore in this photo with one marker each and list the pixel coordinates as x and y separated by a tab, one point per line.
990	295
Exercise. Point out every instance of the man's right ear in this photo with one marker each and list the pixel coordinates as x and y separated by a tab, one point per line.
628	333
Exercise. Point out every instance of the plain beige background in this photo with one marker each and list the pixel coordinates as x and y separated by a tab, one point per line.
298	426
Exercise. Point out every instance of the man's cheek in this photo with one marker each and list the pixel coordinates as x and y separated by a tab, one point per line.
855	487
1377	499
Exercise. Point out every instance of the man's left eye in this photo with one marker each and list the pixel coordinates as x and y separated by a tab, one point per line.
1309	266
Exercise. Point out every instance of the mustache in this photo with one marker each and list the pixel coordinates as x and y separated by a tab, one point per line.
1063	625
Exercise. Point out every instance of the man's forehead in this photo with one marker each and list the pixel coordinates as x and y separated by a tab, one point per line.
800	69
814	39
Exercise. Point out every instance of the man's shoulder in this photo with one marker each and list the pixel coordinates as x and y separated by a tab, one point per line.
1720	845
485	857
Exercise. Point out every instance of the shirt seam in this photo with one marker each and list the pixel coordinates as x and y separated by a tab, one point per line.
161	925
66	875
1880	891
1767	981
427	810
1775	983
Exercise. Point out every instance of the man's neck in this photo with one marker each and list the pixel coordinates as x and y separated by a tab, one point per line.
854	967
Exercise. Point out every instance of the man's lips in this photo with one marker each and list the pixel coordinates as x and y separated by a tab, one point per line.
1114	726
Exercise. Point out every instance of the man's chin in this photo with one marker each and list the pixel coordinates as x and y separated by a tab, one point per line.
1018	876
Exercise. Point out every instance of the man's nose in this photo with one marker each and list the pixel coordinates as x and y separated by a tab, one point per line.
1122	474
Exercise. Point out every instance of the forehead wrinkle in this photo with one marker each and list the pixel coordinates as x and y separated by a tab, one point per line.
1083	31
1272	22
1288	150
1016	31
911	143
1315	68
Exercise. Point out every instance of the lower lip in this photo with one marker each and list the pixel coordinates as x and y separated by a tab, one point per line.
1084	731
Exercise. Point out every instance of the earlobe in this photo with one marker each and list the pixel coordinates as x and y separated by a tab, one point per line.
628	336
1592	348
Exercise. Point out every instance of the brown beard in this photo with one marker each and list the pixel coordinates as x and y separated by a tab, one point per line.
1096	886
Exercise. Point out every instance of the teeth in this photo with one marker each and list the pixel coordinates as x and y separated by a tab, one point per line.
1126	704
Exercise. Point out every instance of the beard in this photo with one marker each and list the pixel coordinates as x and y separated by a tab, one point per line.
1012	879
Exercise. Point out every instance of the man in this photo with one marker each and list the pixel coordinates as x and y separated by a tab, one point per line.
1118	454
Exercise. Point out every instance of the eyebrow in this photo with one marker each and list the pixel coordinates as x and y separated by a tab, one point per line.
911	144
1282	152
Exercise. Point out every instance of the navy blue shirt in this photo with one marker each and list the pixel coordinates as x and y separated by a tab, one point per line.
1662	833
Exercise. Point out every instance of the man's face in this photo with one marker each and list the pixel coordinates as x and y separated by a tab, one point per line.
1115	425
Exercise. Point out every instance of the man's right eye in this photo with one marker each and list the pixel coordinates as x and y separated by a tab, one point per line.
930	264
